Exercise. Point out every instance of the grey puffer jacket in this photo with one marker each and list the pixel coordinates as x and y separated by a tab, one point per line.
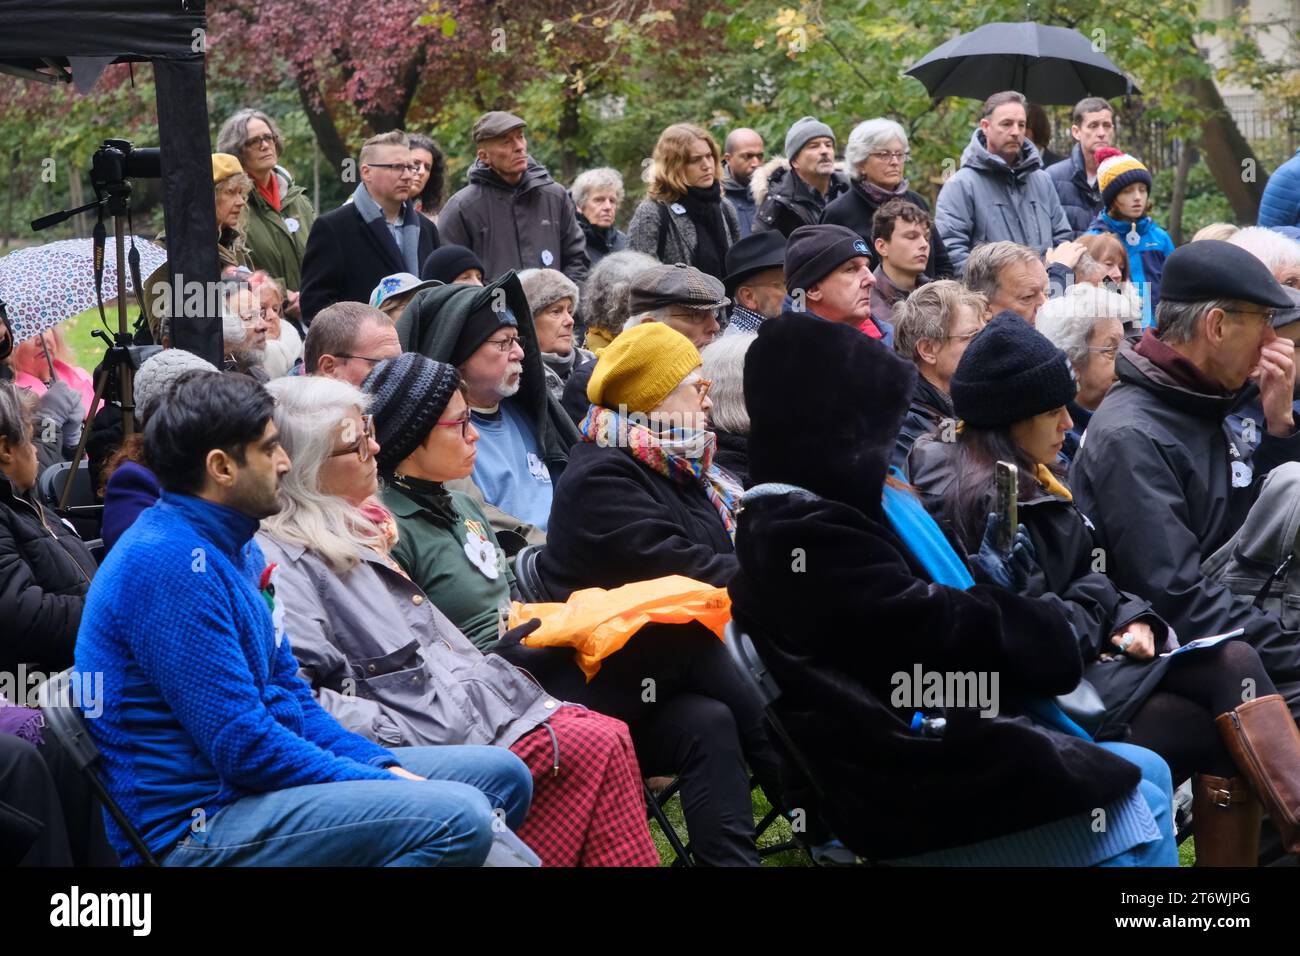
659	230
530	225
988	201
389	665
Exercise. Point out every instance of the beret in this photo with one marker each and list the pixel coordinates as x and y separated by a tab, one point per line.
1213	269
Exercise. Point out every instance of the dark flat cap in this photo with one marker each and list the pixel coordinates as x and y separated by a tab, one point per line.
754	253
496	123
1289	316
677	284
1213	269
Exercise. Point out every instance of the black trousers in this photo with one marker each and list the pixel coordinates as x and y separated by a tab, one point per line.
48	815
691	715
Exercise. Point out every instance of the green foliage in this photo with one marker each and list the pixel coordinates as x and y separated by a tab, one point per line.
1204	203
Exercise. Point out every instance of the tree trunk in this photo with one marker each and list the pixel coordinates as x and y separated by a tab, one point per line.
568	133
1186	156
1230	159
320	119
14	166
77	197
394	117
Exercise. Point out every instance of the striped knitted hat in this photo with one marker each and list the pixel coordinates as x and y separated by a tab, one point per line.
410	393
1115	170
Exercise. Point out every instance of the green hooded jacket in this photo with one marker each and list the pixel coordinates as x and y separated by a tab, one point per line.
272	242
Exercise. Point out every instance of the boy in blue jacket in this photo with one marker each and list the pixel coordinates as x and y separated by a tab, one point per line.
1125	186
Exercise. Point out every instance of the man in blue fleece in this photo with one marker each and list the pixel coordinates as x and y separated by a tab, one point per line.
212	744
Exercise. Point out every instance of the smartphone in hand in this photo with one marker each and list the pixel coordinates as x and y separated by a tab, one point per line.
1006	480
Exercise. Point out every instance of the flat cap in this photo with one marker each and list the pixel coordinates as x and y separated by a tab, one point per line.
496	123
678	284
1213	269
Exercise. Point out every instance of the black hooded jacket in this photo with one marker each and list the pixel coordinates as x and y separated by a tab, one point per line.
838	606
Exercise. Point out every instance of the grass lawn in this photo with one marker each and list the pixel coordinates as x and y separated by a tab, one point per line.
89	351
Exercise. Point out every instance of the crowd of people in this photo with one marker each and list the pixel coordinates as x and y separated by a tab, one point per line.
789	381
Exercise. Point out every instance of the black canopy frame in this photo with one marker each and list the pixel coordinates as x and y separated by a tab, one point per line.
59	41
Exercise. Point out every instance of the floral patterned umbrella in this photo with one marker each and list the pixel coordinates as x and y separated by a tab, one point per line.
42	286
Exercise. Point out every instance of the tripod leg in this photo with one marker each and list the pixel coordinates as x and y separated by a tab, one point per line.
100	382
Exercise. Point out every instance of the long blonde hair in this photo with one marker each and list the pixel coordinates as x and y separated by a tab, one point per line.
308	410
667	176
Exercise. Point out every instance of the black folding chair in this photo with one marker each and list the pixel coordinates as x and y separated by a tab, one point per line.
67	726
527	580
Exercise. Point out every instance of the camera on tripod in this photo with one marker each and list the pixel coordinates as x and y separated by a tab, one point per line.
118	161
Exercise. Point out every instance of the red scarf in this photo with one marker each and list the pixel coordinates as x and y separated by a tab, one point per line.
271	191
869	327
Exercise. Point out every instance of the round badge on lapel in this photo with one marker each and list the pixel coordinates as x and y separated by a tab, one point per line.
293	225
678	208
547	258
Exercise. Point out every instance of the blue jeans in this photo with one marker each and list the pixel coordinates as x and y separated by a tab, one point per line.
445	821
1157	789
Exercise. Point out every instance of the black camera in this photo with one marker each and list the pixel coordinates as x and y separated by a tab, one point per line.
117	160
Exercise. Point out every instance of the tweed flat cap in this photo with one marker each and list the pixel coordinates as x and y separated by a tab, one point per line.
678	284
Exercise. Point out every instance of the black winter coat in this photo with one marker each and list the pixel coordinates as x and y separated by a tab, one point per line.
45	571
614	521
855	209
1080	201
864	610
601	242
1064	547
347	256
1164	484
927	412
732	455
790	202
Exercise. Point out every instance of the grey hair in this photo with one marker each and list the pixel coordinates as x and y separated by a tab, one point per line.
724	364
661	314
1068	320
234	131
867	137
1216	230
1180	322
605	294
928	313
594	180
17	412
1271	248
308	411
986	261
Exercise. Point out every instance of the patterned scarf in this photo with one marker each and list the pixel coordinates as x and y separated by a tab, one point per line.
684	456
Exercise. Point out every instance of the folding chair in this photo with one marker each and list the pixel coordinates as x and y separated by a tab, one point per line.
527	580
67	726
84	509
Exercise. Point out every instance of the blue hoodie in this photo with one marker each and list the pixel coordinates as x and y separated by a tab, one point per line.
1146	256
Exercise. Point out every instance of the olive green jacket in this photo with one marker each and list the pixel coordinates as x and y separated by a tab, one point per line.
273	242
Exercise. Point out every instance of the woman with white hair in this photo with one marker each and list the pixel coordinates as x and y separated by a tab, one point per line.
1280	253
724	366
1087	323
387	663
597	194
876	155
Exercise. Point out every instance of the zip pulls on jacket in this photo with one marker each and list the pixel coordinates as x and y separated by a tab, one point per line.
40	516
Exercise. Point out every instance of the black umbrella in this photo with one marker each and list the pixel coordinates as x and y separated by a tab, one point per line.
1050	65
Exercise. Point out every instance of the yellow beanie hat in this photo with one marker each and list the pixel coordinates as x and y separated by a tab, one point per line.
224	166
641	367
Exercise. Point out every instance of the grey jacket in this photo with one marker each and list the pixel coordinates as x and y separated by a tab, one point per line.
988	201
389	665
679	238
531	225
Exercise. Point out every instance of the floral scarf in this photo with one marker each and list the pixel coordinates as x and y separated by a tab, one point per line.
682	455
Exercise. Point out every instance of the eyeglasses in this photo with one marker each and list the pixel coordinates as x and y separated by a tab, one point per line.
1107	350
412	168
462	422
702	387
255	141
504	345
360	447
360	358
964	337
1268	314
887	155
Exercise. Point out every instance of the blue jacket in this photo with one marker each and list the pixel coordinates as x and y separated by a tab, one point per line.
130	490
742	199
1081	201
1146	257
202	703
1280	204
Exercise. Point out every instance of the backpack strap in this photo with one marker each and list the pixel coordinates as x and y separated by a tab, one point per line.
665	223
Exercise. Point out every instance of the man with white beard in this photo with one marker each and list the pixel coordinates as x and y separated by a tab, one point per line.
243	330
516	434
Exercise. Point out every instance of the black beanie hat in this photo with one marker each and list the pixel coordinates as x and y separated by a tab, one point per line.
1008	373
478	328
409	394
840	453
813	252
447	262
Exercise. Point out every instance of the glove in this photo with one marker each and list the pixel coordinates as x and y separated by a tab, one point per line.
537	660
1014	571
516	634
61	404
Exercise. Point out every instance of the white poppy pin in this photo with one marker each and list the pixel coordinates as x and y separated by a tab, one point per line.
481	554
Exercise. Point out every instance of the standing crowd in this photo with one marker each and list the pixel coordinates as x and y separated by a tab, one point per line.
320	598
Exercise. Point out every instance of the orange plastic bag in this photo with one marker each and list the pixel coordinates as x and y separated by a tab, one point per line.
597	622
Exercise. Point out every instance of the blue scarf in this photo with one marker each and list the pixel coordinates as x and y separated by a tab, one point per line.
409	247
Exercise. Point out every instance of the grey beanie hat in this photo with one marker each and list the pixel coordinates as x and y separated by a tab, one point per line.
157	373
543	287
804	129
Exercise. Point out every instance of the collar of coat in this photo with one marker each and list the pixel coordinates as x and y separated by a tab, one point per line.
1154	366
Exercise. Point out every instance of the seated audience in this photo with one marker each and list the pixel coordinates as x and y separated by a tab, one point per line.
44	365
606	297
932	328
1011	391
394	292
724	367
994	788
524	435
45	569
553	300
385	661
1087	323
347	341
755	281
195	763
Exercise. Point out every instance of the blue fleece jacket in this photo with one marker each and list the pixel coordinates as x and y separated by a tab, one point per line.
1280	204
202	704
1146	256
